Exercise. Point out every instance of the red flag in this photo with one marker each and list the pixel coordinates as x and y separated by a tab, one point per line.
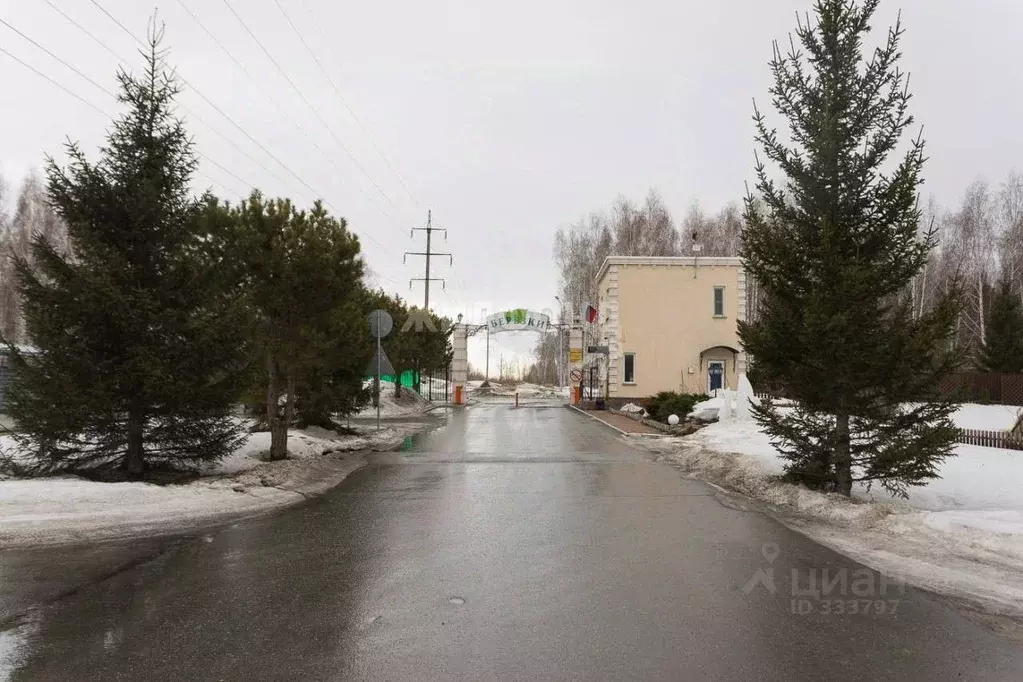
591	314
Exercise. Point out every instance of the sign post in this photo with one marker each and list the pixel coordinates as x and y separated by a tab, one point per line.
575	360
606	352
380	325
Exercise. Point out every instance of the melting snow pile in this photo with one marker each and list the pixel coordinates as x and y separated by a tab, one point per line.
409	403
961	534
62	509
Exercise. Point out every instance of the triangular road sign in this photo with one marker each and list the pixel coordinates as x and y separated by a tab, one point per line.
385	364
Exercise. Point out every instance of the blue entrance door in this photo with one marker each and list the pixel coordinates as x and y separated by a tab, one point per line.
716	375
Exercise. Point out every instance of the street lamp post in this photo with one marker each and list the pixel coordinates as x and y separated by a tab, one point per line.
558	365
486	379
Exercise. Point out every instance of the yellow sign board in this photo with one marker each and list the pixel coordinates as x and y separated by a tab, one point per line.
575	355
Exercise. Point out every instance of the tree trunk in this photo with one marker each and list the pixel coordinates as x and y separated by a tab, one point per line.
397	383
278	427
980	310
923	293
843	456
289	407
135	463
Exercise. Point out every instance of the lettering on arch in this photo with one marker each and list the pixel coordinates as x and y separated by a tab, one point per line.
518	320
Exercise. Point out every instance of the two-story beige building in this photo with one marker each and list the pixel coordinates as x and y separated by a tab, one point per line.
670	324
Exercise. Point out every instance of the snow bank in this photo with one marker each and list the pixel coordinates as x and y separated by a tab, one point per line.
987	417
633	408
302	444
525	390
505	393
708	410
14	643
977	478
71	509
410	403
960	535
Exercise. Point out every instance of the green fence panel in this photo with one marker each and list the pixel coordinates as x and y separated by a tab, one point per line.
408	379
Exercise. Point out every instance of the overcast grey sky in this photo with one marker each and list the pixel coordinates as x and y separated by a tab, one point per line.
507	119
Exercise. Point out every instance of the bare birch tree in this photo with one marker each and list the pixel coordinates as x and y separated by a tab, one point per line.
1010	242
32	215
970	245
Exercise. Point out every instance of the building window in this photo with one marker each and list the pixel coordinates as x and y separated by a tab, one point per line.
630	368
719	301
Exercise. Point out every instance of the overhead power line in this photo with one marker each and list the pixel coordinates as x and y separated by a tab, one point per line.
309	104
106	114
2	21
125	62
256	82
344	101
100	110
54	82
56	8
220	111
110	94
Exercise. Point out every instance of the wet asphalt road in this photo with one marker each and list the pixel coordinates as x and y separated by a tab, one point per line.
529	544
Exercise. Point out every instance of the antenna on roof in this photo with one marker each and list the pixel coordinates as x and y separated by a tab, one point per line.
696	252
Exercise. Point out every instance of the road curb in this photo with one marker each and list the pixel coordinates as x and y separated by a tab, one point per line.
598	419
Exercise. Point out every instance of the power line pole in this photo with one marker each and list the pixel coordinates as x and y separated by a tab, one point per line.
429	230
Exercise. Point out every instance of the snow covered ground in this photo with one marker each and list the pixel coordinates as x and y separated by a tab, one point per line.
967	416
987	417
67	509
531	394
960	535
409	404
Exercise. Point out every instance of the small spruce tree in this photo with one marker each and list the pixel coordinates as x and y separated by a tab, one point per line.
834	249
300	274
1003	332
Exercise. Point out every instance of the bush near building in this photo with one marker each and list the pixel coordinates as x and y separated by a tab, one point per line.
667	403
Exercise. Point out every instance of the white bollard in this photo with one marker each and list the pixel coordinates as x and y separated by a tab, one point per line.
742	404
726	408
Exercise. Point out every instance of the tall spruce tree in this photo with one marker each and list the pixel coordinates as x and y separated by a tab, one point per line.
1003	332
833	250
137	352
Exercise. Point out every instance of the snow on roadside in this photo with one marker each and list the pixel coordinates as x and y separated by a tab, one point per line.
63	509
960	535
303	444
967	416
410	403
14	643
978	478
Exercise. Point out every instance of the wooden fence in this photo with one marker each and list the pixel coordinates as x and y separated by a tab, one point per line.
964	387
991	439
984	387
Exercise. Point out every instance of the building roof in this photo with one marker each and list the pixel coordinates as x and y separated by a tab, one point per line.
667	260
